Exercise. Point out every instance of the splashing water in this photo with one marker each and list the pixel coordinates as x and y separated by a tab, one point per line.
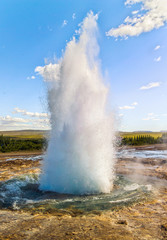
79	157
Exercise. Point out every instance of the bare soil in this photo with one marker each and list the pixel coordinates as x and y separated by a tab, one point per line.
19	154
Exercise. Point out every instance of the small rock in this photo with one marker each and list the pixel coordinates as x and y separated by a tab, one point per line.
122	222
164	226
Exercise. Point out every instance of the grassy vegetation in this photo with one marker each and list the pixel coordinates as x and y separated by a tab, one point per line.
28	136
8	144
27	140
25	134
142	138
135	134
36	140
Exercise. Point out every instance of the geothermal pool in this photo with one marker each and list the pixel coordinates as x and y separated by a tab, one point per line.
22	191
139	192
133	153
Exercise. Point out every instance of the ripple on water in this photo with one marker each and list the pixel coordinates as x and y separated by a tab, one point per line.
23	193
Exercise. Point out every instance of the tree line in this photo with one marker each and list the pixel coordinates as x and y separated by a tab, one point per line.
142	140
8	144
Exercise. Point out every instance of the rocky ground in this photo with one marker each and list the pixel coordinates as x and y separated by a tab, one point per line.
142	220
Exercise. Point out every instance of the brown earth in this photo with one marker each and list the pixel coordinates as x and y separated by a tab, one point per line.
11	168
19	153
143	220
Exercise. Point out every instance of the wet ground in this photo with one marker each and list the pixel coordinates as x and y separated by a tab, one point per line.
136	208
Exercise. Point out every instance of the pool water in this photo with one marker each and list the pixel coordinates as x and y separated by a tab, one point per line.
23	193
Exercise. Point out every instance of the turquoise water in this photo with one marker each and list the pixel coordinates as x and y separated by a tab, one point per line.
23	193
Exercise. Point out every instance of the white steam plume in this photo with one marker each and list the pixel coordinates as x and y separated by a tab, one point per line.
79	158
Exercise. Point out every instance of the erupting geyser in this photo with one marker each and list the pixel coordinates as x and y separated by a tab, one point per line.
79	157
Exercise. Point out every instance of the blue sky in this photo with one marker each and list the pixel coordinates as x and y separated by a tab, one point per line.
133	54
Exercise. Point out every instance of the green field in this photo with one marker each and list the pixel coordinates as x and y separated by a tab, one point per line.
31	140
14	141
30	134
25	134
135	134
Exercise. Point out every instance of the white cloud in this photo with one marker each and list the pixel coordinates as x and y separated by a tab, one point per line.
64	23
32	77
151	116
127	107
13	123
74	16
9	119
134	104
152	15
158	59
150	85
31	114
121	115
135	12
157	47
